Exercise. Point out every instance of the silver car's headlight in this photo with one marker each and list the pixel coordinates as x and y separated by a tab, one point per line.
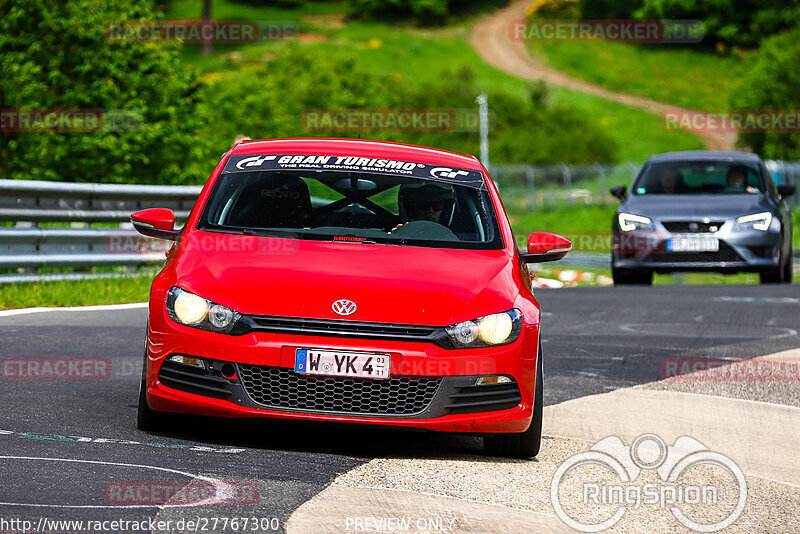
756	221
496	329
195	311
629	221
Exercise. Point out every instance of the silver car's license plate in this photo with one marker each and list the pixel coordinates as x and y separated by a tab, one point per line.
693	243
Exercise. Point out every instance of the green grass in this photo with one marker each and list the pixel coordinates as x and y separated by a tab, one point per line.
671	74
705	279
551	271
75	293
418	55
589	228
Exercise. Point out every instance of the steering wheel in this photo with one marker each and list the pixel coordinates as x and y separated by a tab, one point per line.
427	230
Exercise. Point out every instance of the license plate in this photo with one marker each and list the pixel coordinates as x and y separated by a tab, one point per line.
693	243
336	363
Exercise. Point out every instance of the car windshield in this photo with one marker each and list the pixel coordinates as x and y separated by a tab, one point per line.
699	177
353	207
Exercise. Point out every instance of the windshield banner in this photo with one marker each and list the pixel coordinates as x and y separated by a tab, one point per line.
292	162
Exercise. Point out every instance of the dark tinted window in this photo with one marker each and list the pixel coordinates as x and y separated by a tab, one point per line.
353	207
700	177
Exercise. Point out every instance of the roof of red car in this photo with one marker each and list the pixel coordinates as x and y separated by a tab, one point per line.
357	147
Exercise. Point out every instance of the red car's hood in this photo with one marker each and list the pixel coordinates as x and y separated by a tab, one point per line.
303	278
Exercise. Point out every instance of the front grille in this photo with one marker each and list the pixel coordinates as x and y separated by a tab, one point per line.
192	380
284	389
339	328
725	254
484	398
693	227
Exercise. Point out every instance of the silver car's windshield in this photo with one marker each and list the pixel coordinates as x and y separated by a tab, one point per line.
700	178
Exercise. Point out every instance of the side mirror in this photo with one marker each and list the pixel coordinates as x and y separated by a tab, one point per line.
618	192
786	190
544	246
156	222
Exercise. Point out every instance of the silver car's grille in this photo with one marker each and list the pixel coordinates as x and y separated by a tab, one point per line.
725	254
693	227
282	388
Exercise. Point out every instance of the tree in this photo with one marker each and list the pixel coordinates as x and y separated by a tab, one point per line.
55	54
742	23
771	84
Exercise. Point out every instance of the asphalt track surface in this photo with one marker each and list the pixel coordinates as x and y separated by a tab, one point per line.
65	443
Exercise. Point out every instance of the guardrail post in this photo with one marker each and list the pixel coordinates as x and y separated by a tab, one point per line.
567	182
634	170
602	193
529	178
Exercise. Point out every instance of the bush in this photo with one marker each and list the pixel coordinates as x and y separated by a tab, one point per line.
430	12
426	10
771	83
741	23
54	54
268	100
524	130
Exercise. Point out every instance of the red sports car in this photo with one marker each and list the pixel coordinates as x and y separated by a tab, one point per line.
352	281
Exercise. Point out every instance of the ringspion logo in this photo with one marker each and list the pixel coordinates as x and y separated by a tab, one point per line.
593	490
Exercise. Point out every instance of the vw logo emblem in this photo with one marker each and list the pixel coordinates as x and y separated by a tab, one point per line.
344	307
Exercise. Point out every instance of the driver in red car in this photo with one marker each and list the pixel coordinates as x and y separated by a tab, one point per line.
433	201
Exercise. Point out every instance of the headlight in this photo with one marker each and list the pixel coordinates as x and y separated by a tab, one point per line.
629	221
189	308
756	221
192	310
495	329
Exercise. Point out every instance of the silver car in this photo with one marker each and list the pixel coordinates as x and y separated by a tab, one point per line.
702	211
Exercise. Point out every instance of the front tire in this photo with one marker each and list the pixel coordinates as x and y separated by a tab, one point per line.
788	269
147	419
523	444
778	274
624	277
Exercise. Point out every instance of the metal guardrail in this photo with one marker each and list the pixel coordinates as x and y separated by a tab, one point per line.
28	247
543	186
40	201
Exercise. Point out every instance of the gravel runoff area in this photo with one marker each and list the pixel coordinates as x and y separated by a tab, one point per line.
771	506
774	378
525	485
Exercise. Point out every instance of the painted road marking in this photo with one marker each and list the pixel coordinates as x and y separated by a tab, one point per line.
222	488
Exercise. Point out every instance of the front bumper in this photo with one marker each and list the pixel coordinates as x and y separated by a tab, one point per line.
431	387
739	251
